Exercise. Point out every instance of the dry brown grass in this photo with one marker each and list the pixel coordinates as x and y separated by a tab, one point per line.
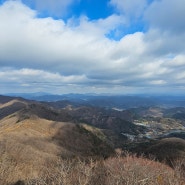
132	170
128	170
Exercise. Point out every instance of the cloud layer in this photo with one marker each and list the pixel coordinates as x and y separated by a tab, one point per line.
78	54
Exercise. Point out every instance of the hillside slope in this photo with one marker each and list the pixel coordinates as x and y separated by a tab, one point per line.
46	141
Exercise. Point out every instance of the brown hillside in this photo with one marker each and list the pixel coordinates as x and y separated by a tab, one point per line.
28	146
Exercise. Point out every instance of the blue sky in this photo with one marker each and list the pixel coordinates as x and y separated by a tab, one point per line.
82	46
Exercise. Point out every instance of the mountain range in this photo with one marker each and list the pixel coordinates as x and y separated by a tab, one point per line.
69	129
109	100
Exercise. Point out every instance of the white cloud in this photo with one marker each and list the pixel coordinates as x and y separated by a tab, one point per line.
48	43
167	15
37	80
130	8
55	8
26	75
43	52
162	43
158	82
98	27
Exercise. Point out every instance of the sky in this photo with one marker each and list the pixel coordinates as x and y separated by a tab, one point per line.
92	46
